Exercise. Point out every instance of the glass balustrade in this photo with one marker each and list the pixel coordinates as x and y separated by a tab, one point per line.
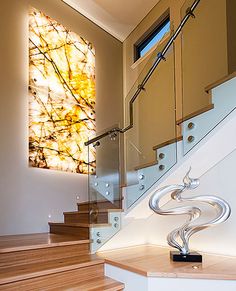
149	148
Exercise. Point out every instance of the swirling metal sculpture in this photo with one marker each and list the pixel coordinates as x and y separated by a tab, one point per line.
183	233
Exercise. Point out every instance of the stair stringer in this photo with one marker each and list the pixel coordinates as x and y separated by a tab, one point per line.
148	175
100	234
218	144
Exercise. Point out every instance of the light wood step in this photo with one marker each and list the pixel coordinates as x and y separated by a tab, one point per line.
156	162
96	284
195	113
87	216
23	272
146	165
10	243
15	251
79	229
168	142
58	281
85	279
220	81
40	262
103	204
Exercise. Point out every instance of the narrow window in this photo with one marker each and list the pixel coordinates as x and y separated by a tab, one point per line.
152	38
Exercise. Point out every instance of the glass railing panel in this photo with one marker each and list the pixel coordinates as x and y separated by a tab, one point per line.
207	57
154	126
104	177
105	198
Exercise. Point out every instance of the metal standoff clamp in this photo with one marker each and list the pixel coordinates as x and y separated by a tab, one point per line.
190	12
141	87
113	134
96	144
160	55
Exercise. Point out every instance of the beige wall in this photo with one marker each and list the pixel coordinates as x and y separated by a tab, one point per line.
204	53
29	195
231	34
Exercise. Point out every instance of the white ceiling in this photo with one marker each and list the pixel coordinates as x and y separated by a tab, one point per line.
118	17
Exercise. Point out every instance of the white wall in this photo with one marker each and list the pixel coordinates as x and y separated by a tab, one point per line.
136	282
29	195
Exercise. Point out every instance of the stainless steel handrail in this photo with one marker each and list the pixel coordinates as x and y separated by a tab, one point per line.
160	57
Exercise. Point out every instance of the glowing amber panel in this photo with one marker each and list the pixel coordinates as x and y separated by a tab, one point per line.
61	96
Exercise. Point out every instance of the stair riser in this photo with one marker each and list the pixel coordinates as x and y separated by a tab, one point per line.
13	259
86	218
80	232
56	281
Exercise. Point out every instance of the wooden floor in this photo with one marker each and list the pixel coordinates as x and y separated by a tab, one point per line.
154	261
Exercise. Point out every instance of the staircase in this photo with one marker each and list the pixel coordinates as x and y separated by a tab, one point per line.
94	220
51	262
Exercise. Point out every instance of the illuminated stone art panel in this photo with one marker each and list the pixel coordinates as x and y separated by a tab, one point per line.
61	96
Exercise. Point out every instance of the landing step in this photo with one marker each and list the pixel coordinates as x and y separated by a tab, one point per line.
14	243
154	261
23	272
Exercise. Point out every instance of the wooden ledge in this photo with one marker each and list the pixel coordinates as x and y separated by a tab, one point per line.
220	81
195	113
154	261
168	142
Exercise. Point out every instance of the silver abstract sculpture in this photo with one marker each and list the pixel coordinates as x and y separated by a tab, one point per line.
183	233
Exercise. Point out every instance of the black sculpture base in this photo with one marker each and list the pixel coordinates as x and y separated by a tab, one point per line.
191	257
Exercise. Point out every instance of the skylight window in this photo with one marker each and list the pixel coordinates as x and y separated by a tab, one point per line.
152	39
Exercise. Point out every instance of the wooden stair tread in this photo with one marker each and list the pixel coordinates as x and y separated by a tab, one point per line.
23	272
95	284
13	243
99	211
146	165
78	224
220	81
195	113
168	142
99	201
